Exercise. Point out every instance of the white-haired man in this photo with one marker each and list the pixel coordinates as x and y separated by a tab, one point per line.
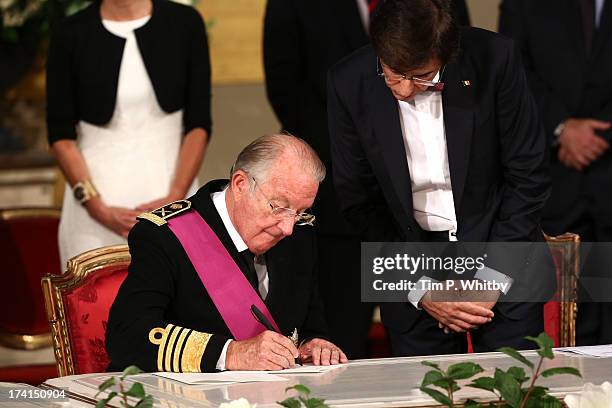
219	281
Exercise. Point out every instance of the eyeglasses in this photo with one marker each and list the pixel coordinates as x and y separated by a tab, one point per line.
279	212
393	80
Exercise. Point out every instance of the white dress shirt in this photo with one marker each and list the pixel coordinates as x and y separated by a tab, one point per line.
364	13
599	5
218	199
422	120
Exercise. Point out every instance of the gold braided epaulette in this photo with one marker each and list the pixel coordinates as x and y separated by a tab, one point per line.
159	216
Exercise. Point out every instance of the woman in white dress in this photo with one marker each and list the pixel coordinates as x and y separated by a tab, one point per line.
128	114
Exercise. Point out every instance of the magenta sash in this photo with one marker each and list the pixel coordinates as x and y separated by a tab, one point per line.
225	283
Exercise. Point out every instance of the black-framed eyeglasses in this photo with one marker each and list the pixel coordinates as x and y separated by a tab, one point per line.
300	218
390	80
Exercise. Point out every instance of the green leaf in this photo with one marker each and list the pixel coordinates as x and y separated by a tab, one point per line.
103	402
131	370
146	402
508	387
290	402
545	344
432	365
561	370
302	389
536	392
543	401
518	373
431	377
438	396
316	403
446	383
462	371
107	384
483	383
136	390
516	355
471	404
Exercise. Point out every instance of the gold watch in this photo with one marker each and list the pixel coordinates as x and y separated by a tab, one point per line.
84	191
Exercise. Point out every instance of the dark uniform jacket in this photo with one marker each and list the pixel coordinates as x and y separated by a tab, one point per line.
163	296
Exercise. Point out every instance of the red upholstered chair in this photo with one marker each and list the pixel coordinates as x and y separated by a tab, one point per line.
77	306
560	312
28	241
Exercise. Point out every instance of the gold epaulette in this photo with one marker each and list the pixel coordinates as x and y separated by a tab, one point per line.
159	216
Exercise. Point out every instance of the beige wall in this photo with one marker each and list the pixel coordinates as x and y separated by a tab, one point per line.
484	13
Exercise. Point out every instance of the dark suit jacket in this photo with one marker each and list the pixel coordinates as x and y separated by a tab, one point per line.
163	287
566	83
496	147
302	40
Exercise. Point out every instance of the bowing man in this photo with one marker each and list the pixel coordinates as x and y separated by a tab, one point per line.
435	137
210	274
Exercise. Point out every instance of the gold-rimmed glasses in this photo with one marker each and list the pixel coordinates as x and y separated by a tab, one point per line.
396	78
300	218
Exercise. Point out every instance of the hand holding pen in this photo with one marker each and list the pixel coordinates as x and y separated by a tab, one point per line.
261	318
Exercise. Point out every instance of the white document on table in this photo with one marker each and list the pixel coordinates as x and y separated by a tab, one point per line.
600	351
304	369
226	377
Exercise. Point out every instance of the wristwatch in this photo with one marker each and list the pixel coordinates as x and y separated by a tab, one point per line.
84	191
559	129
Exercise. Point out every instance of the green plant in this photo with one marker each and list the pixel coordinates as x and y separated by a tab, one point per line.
512	388
303	400
135	391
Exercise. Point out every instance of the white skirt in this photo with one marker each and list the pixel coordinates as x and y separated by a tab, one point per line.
127	170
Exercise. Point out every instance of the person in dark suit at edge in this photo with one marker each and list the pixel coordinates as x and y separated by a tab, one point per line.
302	39
566	50
435	137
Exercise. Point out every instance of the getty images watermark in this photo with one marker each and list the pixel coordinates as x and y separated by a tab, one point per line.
467	271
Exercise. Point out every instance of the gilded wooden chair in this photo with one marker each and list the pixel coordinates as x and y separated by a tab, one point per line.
77	305
28	239
560	312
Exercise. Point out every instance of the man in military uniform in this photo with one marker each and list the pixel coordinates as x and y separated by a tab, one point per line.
211	274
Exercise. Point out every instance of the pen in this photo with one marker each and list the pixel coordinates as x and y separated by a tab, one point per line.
261	318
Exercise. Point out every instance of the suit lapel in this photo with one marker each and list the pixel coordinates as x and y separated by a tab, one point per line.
458	101
281	274
573	20
387	131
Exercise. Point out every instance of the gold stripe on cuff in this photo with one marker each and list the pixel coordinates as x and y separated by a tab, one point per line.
177	351
161	342
170	348
194	350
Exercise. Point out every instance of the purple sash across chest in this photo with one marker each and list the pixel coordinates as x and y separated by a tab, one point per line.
225	283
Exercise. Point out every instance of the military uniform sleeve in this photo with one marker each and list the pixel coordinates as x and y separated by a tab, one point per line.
138	331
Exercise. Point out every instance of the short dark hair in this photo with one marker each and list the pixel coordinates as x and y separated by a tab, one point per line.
406	34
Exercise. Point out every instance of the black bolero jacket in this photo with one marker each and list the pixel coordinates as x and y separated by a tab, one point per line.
85	58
